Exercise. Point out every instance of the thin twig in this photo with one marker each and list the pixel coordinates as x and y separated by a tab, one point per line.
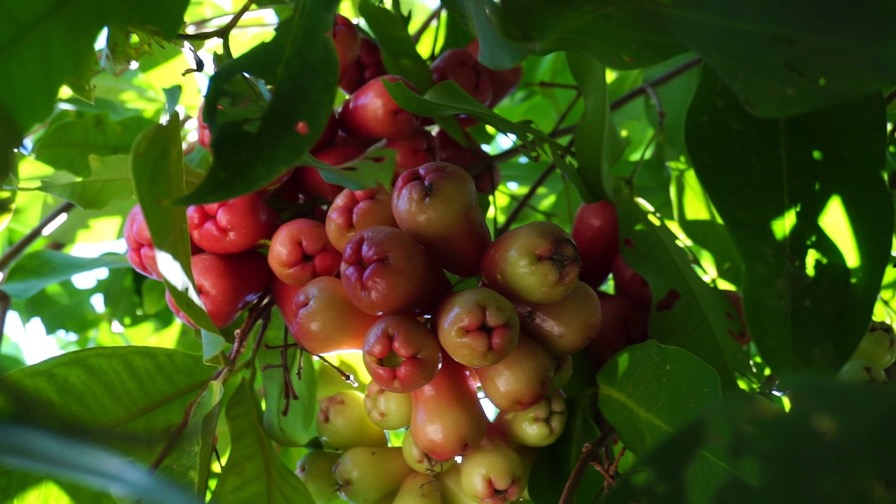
588	453
524	201
619	102
221	32
22	245
428	21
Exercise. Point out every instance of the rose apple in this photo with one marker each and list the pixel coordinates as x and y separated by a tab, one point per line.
401	353
436	204
348	43
595	229
877	346
368	66
366	475
419	488
370	112
630	283
306	183
624	323
342	422
564	327
315	469
538	425
493	472
326	320
412	151
477	327
503	81
388	410
520	379
385	271
471	158
226	284
300	251
447	418
536	263
353	211
231	226
464	69
420	461
141	251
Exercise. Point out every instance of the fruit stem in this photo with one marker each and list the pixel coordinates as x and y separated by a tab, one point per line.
589	452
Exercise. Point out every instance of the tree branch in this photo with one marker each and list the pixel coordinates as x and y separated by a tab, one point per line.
223	31
589	451
22	245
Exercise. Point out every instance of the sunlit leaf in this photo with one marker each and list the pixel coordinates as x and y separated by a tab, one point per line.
253	472
38	269
257	144
807	207
109	180
400	56
68	145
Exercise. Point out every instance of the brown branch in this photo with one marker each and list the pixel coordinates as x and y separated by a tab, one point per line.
223	31
5	303
428	21
620	102
22	245
589	451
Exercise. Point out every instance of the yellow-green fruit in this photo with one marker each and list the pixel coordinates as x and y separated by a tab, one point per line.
367	474
419	488
420	461
388	410
859	371
342	422
877	347
330	381
538	425
315	469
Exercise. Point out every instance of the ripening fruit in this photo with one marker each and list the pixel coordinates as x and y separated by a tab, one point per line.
564	327
370	112
300	251
326	320
367	474
493	472
401	353
538	425
342	422
388	410
537	263
859	371
353	211
419	488
315	469
477	327
878	346
447	418
141	251
419	460
595	230
520	379
232	226
460	66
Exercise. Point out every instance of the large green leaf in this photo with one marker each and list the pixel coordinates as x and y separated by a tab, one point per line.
253	472
807	207
46	43
786	58
795	457
127	398
259	143
597	142
109	180
70	459
38	269
649	392
290	420
685	311
68	145
157	168
400	55
619	33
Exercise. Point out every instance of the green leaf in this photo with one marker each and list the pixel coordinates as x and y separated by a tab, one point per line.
46	43
686	311
127	398
447	98
68	145
252	150
793	457
598	145
785	59
253	472
189	462
806	204
400	55
619	33
290	420
157	169
649	392
374	167
67	458
109	180
36	270
496	49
